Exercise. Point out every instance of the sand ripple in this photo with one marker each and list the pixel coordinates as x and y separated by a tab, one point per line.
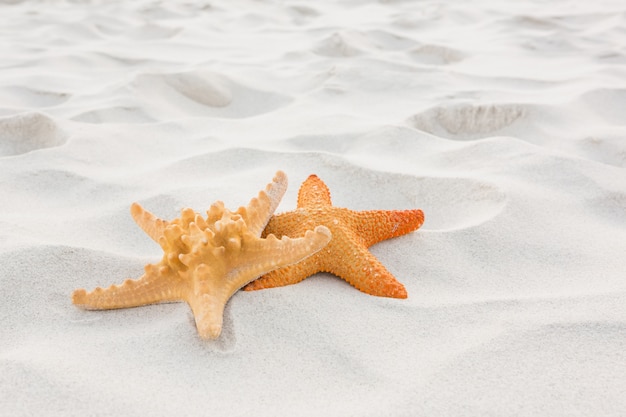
504	121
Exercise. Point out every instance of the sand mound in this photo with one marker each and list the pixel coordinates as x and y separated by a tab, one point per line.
201	93
466	121
29	132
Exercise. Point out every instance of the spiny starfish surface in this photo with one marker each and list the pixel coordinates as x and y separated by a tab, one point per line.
346	255
206	261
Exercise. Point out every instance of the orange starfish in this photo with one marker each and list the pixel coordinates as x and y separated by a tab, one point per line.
346	255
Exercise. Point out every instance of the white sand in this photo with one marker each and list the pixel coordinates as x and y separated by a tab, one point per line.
504	121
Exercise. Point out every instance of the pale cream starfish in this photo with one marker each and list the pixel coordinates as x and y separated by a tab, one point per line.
206	261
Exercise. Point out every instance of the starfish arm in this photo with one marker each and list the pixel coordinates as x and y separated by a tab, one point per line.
257	256
151	224
313	193
260	209
292	224
265	255
377	225
367	274
210	290
288	275
208	312
154	286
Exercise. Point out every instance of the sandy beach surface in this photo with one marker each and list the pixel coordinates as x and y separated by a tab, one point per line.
505	122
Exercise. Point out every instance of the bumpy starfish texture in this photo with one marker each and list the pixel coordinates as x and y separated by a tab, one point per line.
206	261
346	255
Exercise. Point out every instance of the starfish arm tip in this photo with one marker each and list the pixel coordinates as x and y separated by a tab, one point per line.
78	297
211	332
259	210
393	289
400	293
419	215
138	212
280	176
276	189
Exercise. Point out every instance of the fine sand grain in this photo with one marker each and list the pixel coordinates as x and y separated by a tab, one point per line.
505	122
